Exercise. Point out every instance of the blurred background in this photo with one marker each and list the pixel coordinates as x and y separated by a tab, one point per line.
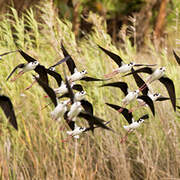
149	17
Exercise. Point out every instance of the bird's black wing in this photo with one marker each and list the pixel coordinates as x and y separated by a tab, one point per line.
56	76
140	82
125	112
168	83
87	78
88	107
27	57
8	109
176	57
148	101
70	63
162	98
93	120
18	66
117	59
50	92
60	62
42	71
6	53
64	95
146	116
147	70
122	85
77	87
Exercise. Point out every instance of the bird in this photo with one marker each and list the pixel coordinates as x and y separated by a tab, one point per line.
60	107
176	57
76	130
59	110
75	74
129	117
8	109
94	120
42	71
158	74
123	68
146	91
6	53
131	95
25	68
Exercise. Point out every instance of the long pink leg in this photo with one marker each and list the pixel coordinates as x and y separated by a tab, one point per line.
125	137
111	74
67	139
31	85
17	76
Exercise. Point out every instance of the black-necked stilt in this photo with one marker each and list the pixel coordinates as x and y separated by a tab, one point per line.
158	74
176	57
8	109
76	130
123	68
131	95
75	74
94	120
25	68
42	70
129	117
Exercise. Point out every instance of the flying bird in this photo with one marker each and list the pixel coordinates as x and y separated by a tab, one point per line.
123	68
75	74
131	95
129	117
8	109
158	74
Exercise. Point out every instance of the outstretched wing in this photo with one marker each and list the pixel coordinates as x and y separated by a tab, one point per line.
8	109
70	63
168	83
93	120
148	101
88	107
140	82
12	72
50	92
117	59
56	76
6	53
122	85
125	112
27	57
60	62
87	78
176	57
147	70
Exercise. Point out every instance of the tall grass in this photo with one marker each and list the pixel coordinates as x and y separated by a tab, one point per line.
36	151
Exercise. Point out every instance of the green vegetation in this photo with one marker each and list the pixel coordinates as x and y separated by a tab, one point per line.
36	151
